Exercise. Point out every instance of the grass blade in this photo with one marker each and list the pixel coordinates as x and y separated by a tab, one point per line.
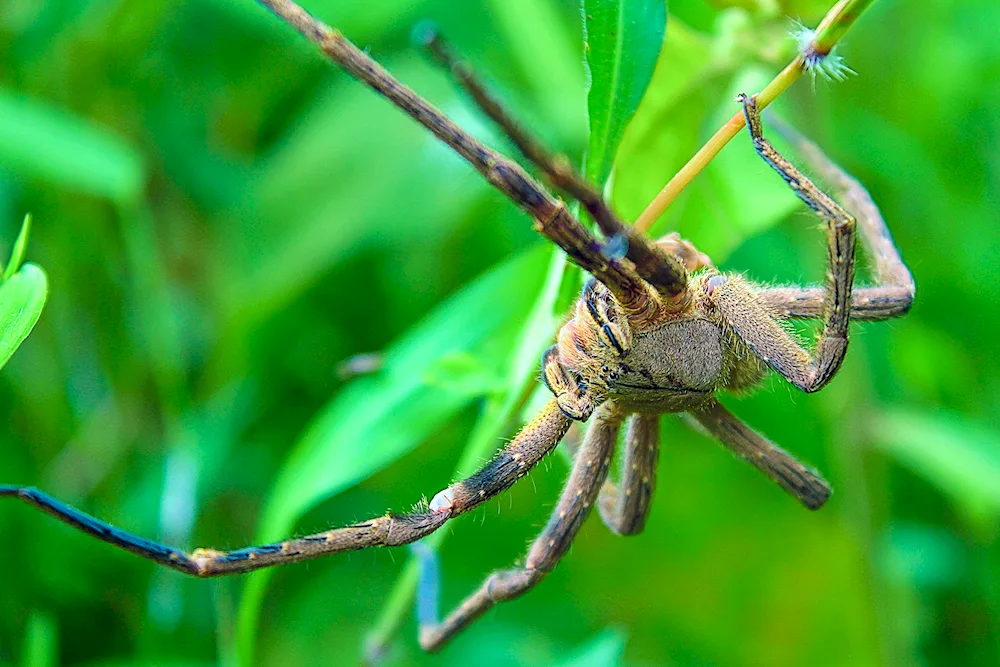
379	418
622	41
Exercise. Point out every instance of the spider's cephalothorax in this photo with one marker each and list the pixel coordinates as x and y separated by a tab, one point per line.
657	330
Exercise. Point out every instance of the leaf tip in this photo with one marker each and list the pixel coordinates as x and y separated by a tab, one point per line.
20	247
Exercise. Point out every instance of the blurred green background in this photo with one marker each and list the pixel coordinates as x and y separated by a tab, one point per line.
225	218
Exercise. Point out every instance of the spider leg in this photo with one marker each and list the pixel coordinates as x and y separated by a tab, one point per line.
590	469
624	507
792	475
893	293
535	440
552	218
660	269
749	317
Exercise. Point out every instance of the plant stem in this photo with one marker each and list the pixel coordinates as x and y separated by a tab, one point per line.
831	29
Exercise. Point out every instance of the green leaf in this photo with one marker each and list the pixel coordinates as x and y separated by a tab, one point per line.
737	196
20	245
22	298
962	459
546	51
44	142
604	650
622	41
41	641
379	418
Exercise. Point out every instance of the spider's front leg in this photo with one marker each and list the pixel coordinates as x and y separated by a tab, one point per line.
590	469
893	293
741	307
663	270
534	442
552	218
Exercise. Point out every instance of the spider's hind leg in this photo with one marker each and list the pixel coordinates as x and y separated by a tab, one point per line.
793	476
624	507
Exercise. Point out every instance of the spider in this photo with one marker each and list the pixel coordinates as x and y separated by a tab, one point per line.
657	330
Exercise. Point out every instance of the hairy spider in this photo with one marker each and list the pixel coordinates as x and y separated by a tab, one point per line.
657	330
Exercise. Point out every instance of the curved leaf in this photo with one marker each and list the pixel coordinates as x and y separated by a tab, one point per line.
42	141
959	457
622	41
22	298
377	419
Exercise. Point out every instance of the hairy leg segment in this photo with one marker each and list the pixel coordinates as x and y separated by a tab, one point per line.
590	469
894	289
745	312
536	439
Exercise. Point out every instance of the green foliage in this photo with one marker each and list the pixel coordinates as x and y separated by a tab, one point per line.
227	218
621	42
43	141
960	457
417	389
23	290
41	641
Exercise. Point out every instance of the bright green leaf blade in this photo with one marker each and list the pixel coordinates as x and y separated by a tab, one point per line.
737	196
20	245
378	419
44	142
960	458
604	650
41	641
548	56
493	424
622	41
22	298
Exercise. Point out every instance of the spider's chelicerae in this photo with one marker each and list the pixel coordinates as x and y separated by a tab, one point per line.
657	330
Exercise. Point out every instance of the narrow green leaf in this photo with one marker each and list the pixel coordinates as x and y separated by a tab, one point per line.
41	641
379	418
45	142
496	419
737	196
962	459
17	254
604	650
22	298
622	41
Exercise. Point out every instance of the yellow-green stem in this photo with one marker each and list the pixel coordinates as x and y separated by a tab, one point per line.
831	29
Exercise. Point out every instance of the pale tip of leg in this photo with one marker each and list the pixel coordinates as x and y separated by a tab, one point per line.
430	639
443	501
